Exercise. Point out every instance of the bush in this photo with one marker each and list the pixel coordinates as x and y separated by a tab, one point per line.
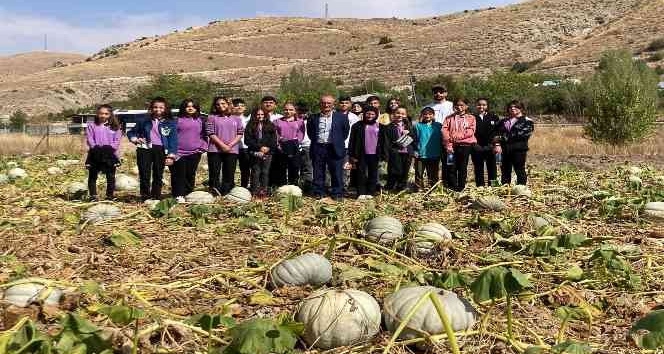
623	105
384	40
305	88
657	56
659	70
18	120
369	86
657	44
522	66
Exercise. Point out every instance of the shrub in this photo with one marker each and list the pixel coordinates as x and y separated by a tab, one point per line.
623	100
657	56
18	120
522	66
659	70
388	46
306	88
657	44
384	40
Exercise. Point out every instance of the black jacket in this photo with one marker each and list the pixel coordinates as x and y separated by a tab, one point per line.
268	139
486	129
356	141
516	139
101	157
388	136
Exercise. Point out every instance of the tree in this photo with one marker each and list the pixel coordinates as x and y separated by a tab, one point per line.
623	100
305	88
18	120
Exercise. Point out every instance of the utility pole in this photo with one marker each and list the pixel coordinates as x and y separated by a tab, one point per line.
327	11
45	42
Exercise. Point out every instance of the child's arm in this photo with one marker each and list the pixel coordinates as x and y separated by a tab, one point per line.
89	135
300	131
238	134
470	129
214	138
134	132
446	135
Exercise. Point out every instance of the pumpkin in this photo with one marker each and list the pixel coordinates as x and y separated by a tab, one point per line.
4	179
22	295
76	189
384	230
66	163
101	212
199	197
125	183
537	222
239	195
490	203
309	268
425	320
336	318
12	164
635	181
428	236
151	203
17	173
521	190
54	170
633	170
655	210
290	190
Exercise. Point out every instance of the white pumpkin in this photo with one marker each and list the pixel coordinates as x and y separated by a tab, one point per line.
384	230
199	197
635	181
428	236
306	269
633	170
24	294
336	318
12	164
125	183
66	163
490	203
537	222
425	320
17	173
4	179
290	190
239	195
151	203
54	170
101	212
521	190
654	210
76	189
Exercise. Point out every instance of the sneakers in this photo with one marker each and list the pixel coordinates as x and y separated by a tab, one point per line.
180	200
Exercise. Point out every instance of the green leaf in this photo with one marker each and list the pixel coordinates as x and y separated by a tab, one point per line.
291	202
122	315
124	238
572	313
209	322
489	285
27	340
571	347
261	336
90	287
648	332
262	297
516	281
574	273
449	280
385	268
163	208
570	214
79	335
350	273
534	350
543	248
571	241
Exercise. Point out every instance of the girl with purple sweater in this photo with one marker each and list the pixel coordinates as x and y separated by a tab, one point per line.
225	133
103	139
290	131
192	142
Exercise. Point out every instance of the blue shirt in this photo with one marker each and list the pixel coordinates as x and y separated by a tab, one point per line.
429	139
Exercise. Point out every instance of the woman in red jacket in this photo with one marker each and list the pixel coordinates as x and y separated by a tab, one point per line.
459	139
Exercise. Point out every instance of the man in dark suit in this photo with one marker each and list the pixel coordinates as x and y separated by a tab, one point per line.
328	131
486	127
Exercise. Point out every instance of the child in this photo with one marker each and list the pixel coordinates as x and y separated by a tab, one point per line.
157	144
244	159
459	139
512	142
307	169
358	109
486	126
103	139
396	145
192	142
363	152
225	133
261	140
427	133
290	131
392	105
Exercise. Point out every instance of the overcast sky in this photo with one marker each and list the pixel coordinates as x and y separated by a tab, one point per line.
85	26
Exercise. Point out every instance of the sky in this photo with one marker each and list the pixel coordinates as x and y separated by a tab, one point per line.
86	26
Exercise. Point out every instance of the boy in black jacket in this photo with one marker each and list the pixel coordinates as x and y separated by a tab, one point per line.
486	127
512	141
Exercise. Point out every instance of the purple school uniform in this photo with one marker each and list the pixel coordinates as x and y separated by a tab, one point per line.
102	135
190	138
226	129
370	139
155	137
288	131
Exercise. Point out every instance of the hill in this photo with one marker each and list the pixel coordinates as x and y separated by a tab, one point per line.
565	35
28	63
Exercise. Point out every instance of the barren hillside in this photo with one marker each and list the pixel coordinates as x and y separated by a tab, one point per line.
257	52
27	63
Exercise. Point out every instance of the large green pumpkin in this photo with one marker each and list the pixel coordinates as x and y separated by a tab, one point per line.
199	197
384	230
429	236
490	203
426	321
101	212
24	294
306	269
239	195
337	318
654	210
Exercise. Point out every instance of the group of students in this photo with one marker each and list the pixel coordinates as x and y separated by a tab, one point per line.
328	153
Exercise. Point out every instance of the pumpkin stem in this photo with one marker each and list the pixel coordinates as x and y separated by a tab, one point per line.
451	339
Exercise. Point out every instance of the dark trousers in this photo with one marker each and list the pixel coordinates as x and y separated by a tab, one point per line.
221	163
322	156
431	168
285	169
151	164
260	173
398	166
366	175
93	173
306	169
514	160
244	159
183	175
458	173
482	156
447	172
